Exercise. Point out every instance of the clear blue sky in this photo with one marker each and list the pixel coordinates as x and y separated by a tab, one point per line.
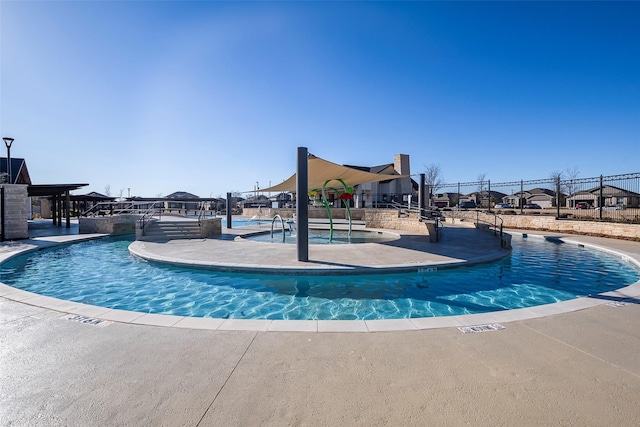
210	97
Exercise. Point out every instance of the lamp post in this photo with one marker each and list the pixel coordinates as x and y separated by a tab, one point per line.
8	141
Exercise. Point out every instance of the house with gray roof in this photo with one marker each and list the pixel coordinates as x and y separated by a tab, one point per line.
543	197
607	195
373	194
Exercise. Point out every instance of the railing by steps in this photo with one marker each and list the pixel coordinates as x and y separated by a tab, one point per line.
422	214
495	226
201	214
150	213
119	208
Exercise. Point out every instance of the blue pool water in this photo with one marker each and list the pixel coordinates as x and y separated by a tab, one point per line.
103	273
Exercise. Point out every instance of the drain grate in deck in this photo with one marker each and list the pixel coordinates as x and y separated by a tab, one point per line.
87	320
617	303
481	328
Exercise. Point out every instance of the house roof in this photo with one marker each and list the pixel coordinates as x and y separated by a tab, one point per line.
542	191
96	194
18	168
181	195
610	191
43	190
484	193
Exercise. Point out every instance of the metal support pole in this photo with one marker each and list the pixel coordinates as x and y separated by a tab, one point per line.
521	196
67	212
2	233
9	171
59	197
302	203
489	195
54	211
229	220
421	200
558	197
600	198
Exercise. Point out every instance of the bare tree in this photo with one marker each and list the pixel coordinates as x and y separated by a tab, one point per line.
107	190
433	178
482	182
121	193
570	185
556	175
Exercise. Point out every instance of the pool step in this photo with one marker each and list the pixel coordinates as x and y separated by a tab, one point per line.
172	230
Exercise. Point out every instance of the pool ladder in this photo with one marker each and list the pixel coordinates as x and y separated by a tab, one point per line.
282	222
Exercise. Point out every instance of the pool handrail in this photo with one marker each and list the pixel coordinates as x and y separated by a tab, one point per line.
496	217
150	212
273	221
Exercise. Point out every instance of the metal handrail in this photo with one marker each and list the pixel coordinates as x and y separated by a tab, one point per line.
410	207
150	212
96	207
131	207
201	213
273	221
494	225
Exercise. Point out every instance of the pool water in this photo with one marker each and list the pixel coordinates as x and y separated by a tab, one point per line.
103	273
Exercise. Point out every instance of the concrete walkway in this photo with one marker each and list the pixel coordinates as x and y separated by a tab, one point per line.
575	368
406	252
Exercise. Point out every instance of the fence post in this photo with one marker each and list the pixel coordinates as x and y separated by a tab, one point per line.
2	235
558	197
600	198
229	217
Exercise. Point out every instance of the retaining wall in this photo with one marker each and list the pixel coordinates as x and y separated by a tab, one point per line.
211	227
550	223
115	225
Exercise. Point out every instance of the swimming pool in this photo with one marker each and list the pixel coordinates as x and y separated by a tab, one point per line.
103	273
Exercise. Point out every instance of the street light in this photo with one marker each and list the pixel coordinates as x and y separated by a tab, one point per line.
8	141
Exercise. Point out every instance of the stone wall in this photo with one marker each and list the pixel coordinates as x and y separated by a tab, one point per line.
550	223
115	225
390	219
211	227
16	211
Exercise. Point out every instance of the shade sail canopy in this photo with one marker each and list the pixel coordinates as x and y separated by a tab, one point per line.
321	171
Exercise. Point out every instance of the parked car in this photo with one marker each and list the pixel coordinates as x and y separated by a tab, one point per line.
503	206
467	204
583	205
611	208
532	206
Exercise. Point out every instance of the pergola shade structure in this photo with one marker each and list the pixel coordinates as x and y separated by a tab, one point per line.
60	196
324	173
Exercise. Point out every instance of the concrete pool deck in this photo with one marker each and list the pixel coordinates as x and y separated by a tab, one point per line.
409	252
567	368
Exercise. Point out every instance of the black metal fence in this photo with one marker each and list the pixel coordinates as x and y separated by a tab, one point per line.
613	198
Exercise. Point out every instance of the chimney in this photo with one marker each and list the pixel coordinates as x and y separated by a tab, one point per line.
401	165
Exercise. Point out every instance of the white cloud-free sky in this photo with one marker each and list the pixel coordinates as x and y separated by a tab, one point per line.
211	97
